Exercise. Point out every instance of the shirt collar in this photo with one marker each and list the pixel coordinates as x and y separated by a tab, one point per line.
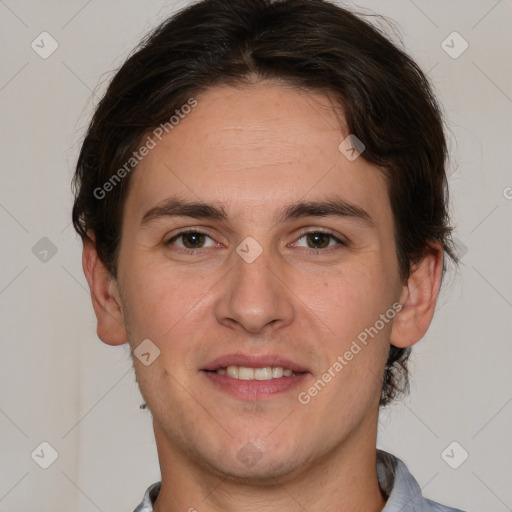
397	484
402	491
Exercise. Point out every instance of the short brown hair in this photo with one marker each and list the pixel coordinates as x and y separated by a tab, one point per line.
312	44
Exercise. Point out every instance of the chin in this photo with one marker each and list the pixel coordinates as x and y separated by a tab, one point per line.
255	462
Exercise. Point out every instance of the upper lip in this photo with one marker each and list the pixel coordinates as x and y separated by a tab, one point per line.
254	361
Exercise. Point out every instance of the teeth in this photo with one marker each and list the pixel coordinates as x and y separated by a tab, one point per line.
265	373
277	372
232	371
245	373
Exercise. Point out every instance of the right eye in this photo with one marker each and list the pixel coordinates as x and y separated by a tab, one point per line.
190	240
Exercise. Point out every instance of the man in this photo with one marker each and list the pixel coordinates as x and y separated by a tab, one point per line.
262	200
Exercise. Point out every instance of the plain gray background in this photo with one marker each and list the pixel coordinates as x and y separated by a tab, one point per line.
60	385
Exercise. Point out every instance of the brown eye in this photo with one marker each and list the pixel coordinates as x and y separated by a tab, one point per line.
318	240
193	240
190	240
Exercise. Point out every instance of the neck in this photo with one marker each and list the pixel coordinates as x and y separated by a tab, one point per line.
343	480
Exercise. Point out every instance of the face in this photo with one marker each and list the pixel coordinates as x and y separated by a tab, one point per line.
284	258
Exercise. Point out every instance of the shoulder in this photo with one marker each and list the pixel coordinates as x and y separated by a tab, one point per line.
404	493
437	507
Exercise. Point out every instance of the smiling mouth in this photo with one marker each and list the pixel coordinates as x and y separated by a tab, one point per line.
255	383
263	373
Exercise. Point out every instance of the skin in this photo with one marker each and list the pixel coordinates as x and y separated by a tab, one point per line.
253	150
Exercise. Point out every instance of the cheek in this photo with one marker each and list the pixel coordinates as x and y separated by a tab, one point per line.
350	300
358	309
155	299
356	343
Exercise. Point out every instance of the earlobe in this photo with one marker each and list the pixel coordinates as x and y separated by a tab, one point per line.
418	299
105	297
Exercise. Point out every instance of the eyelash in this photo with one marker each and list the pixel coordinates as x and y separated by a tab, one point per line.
202	250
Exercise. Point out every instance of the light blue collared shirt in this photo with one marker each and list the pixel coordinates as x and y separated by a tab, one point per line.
404	493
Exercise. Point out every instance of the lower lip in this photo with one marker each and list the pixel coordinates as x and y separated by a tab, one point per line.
254	389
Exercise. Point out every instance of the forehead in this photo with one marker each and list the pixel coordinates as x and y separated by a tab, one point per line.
255	146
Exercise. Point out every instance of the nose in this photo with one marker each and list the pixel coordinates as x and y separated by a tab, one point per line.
255	296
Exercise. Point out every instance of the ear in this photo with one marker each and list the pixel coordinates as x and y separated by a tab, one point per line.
418	299
105	296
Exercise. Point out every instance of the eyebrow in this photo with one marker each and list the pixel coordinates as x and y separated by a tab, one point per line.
333	207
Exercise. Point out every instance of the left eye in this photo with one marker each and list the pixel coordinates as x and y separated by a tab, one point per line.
190	240
319	240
